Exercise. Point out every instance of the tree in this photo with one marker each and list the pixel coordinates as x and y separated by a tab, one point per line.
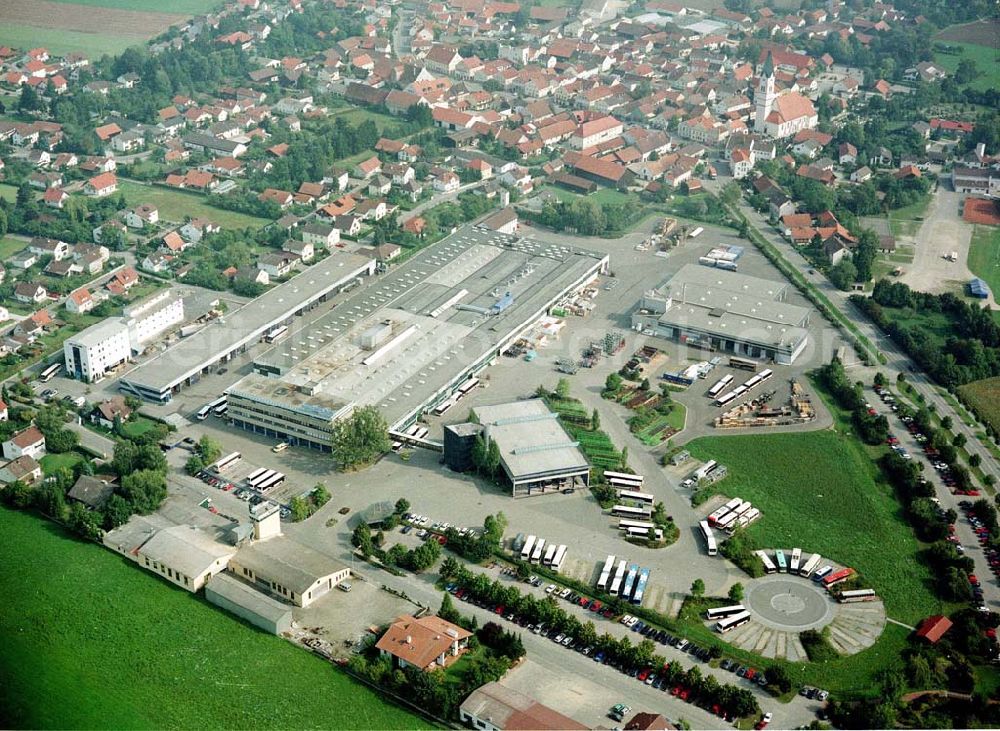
447	611
362	539
29	101
595	420
144	490
843	274
83	522
402	506
562	388
736	592
209	449
959	441
320	495
50	499
613	383
698	588
360	438
478	453
975	460
116	512
299	507
946	422
194	465
492	458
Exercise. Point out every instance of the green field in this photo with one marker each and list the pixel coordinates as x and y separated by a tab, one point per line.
8	192
817	490
599	196
92	641
185	7
174	205
52	462
985	58
984	256
139	426
10	246
387	124
985	395
61	41
903	221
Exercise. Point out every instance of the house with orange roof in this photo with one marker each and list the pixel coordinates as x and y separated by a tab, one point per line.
101	185
80	301
428	643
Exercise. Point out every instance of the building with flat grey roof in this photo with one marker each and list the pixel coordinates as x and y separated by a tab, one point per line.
536	453
184	555
407	340
288	570
159	378
719	310
260	610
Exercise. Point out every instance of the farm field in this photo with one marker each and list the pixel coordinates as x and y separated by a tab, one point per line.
984	256
975	41
985	395
185	7
174	205
387	125
59	40
120	648
833	506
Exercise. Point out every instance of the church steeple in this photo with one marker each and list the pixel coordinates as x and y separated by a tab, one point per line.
768	66
765	94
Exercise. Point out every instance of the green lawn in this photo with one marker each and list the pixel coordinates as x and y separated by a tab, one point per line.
67	41
600	196
186	7
93	641
903	221
174	205
10	246
985	395
817	490
984	57
984	256
138	427
8	192
387	125
52	462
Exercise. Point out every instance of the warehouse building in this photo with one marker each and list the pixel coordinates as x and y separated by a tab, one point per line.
536	453
260	610
161	377
288	570
495	707
408	341
91	353
723	311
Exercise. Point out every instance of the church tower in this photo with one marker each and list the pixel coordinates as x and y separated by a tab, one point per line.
765	94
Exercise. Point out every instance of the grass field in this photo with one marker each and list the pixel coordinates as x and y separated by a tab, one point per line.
138	427
984	256
985	58
387	125
8	192
61	41
174	205
52	462
903	221
10	246
184	7
92	641
985	395
599	196
854	520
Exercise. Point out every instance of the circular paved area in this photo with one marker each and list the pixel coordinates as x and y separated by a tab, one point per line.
790	605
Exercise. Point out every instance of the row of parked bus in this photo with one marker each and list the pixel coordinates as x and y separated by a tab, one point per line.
744	388
728	618
737	513
628	582
217	407
827	575
415	432
460	393
536	550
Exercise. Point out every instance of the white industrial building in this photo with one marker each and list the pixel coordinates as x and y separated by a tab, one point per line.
90	354
153	316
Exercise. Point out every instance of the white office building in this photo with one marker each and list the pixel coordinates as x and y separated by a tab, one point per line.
91	353
151	317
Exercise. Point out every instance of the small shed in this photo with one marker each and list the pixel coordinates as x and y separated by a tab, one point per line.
978	288
260	610
933	628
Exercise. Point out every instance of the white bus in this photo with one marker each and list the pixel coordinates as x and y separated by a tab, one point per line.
640	586
744	520
696	233
558	559
444	406
526	548
719	385
207	409
723	612
616	583
818	576
275	334
50	372
810	565
705	470
737	620
643	533
769	567
640	497
624	479
224	463
752	382
258	476
725	398
728	507
710	545
857	595
536	554
464	389
609	565
271	482
221	410
733	515
626	511
793	564
765	374
629	585
550	552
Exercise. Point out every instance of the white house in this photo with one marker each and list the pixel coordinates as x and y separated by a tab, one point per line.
29	442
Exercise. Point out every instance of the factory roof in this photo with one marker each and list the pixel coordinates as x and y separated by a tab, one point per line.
293	565
185	549
531	440
244	595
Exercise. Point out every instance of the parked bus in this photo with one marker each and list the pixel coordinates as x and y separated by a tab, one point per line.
769	567
224	463
464	389
609	565
739	391
444	406
810	565
259	476
744	520
629	585
737	620
558	559
536	554
640	497
50	372
616	583
857	595
837	577
744	364
705	470
725	398
221	410
529	544
637	532
794	563
696	233
626	523
710	545
717	514
779	558
753	382
640	586
207	409
723	612
823	572
765	374
255	474
719	385
275	334
626	511
733	515
550	552
271	482
624	479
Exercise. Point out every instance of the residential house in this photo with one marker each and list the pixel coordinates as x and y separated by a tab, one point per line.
101	185
446	182
80	301
30	292
861	175
29	442
319	233
367	168
141	216
105	413
91	492
55	197
23	469
427	643
277	264
302	249
54	248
